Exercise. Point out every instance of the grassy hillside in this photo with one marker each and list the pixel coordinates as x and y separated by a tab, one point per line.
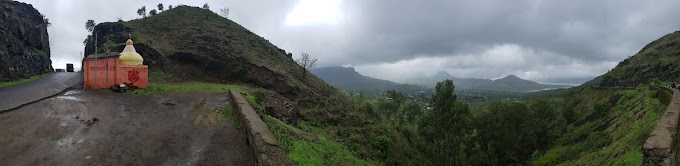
315	123
611	116
658	59
609	127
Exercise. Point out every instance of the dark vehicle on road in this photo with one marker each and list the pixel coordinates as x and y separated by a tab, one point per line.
69	67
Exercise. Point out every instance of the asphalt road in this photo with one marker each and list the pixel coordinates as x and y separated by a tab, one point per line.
17	95
82	127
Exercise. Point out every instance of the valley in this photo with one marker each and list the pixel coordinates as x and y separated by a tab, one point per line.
338	83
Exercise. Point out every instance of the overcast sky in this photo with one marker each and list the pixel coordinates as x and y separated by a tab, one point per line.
403	40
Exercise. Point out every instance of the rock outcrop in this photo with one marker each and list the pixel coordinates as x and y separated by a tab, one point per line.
24	42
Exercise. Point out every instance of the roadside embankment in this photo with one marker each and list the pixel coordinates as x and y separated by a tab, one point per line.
660	146
262	141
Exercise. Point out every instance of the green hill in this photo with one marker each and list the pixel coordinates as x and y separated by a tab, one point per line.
658	59
610	117
314	123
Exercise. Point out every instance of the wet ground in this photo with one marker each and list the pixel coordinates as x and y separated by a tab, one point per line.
82	127
17	95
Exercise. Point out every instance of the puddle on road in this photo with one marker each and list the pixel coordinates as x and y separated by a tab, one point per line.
72	92
205	117
69	98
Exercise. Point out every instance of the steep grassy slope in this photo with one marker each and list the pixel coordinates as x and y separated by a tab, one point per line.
613	114
24	43
658	59
314	122
610	127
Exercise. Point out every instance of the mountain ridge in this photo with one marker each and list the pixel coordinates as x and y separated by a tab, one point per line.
507	83
348	78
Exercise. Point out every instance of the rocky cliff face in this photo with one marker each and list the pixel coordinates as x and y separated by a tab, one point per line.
24	42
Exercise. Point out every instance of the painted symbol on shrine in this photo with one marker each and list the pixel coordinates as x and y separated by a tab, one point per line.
133	75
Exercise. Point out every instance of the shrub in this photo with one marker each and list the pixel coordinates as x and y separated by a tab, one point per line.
381	143
598	139
568	114
601	108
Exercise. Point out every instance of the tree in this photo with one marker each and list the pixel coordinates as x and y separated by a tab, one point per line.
390	106
89	37
46	21
169	7
445	125
153	12
225	12
89	25
160	6
206	7
306	62
142	11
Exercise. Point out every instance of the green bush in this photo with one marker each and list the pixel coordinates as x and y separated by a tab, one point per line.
568	114
259	96
381	143
598	139
601	108
226	111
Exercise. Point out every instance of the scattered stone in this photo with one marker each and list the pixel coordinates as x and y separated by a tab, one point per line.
89	122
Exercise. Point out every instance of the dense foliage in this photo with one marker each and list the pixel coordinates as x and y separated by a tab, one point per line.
583	125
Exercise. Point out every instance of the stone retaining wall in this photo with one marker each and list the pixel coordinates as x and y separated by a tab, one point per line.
660	147
260	139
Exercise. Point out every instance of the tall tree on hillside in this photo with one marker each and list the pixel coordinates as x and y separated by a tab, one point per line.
142	11
206	7
160	7
153	12
446	124
89	25
306	62
169	7
225	12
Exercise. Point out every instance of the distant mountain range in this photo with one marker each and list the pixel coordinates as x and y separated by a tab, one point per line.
348	79
507	83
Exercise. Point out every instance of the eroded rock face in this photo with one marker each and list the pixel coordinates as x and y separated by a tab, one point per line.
24	42
280	107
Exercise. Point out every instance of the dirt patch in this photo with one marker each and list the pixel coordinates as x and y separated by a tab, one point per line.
604	125
588	118
280	107
168	103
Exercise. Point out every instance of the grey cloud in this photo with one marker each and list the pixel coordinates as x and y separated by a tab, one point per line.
577	38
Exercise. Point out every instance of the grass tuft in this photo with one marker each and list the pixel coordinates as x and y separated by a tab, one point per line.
156	88
21	81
